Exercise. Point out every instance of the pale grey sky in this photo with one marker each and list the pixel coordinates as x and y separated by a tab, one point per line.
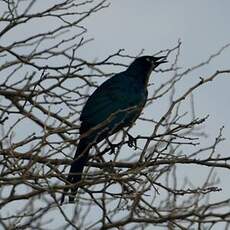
203	28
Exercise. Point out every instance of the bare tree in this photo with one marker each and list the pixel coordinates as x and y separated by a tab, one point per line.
44	84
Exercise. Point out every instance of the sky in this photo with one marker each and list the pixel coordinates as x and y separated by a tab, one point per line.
153	25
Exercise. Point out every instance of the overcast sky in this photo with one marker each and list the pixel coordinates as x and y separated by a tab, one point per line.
153	25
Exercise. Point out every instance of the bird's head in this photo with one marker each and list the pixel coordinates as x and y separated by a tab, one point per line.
146	64
149	62
142	67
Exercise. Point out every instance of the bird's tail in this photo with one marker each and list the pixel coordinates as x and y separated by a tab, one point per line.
77	166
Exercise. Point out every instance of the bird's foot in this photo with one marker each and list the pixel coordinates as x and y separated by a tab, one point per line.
113	147
132	141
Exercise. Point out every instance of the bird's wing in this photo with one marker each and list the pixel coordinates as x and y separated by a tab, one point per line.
112	96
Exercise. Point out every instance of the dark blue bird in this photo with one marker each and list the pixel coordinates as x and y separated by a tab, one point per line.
114	105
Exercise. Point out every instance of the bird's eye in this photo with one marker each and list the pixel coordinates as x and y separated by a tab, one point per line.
148	59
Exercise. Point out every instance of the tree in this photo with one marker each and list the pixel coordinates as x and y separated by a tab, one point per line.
45	82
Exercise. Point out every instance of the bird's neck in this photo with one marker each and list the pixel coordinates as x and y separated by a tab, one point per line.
140	75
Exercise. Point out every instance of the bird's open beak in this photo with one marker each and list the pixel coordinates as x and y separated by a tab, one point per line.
160	60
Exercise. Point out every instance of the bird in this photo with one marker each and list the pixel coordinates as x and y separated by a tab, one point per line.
113	106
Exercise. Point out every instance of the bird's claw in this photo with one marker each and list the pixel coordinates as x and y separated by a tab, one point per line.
112	147
132	142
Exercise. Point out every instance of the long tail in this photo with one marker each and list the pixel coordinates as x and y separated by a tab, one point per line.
77	166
